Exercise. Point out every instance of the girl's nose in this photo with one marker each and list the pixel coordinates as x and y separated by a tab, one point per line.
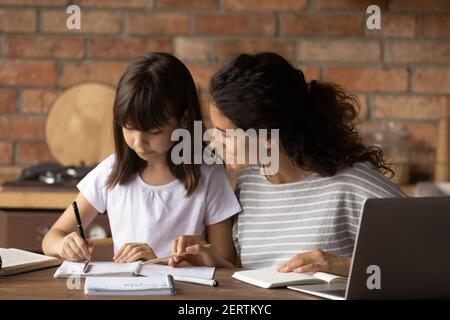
141	140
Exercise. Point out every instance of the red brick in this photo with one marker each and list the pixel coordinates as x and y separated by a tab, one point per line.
408	107
423	135
433	80
38	100
7	100
363	108
132	4
418	52
5	127
321	25
216	24
192	49
436	26
158	23
395	25
104	22
6	153
348	5
266	5
33	153
28	127
105	47
27	72
17	20
226	49
370	79
311	73
106	72
44	46
34	3
420	5
202	73
339	50
191	4
21	127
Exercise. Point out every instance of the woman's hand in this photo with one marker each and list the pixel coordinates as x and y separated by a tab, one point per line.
131	252
190	248
318	260
74	248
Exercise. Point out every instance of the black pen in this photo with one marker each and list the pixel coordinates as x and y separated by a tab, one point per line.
87	264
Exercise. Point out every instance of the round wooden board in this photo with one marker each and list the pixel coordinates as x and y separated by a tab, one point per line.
79	125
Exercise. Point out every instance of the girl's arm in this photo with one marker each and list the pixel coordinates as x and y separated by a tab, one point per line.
63	241
220	254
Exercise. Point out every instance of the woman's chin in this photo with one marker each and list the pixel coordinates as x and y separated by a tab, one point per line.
237	166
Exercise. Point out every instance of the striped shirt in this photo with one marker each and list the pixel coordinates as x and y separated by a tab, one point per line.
278	221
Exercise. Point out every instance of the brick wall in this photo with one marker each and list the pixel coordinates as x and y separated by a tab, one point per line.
400	72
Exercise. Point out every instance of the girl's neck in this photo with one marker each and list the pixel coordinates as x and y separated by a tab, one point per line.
288	171
157	172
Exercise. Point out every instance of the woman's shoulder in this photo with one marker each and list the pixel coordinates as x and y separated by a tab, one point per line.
364	178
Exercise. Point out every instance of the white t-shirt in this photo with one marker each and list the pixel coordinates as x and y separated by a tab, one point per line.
156	215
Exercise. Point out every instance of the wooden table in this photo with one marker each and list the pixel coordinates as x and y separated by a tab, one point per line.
41	285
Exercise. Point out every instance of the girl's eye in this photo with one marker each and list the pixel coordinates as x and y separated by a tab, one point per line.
154	132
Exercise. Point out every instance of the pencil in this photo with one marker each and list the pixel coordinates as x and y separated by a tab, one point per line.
87	263
205	282
167	257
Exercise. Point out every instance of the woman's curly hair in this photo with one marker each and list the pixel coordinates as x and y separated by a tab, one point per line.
316	121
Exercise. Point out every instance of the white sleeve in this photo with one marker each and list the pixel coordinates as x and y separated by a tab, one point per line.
93	185
221	202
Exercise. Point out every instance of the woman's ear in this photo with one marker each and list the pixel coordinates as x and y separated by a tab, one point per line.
184	121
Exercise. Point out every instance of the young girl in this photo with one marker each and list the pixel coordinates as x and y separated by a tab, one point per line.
303	218
149	200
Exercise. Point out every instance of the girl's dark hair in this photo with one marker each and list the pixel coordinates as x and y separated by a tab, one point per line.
316	121
153	89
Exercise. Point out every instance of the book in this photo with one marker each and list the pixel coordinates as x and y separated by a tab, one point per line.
15	261
271	278
108	269
129	286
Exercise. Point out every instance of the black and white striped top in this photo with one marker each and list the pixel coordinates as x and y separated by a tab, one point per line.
280	220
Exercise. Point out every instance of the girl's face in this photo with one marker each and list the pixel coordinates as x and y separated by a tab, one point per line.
153	144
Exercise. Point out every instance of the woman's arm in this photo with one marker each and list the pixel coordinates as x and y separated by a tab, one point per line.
62	240
220	254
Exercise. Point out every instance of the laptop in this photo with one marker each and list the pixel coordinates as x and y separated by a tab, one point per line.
402	251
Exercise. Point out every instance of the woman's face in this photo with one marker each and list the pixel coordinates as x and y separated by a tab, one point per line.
150	145
232	148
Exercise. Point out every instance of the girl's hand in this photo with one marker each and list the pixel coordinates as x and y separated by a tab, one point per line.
130	252
318	260
191	248
74	248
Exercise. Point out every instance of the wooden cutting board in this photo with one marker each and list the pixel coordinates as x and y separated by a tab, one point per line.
79	125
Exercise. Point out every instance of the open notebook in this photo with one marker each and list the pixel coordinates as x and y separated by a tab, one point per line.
129	286
105	269
271	278
15	261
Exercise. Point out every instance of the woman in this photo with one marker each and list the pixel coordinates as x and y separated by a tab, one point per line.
304	217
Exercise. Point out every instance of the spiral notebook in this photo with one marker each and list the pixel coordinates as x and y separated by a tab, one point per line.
129	286
111	269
